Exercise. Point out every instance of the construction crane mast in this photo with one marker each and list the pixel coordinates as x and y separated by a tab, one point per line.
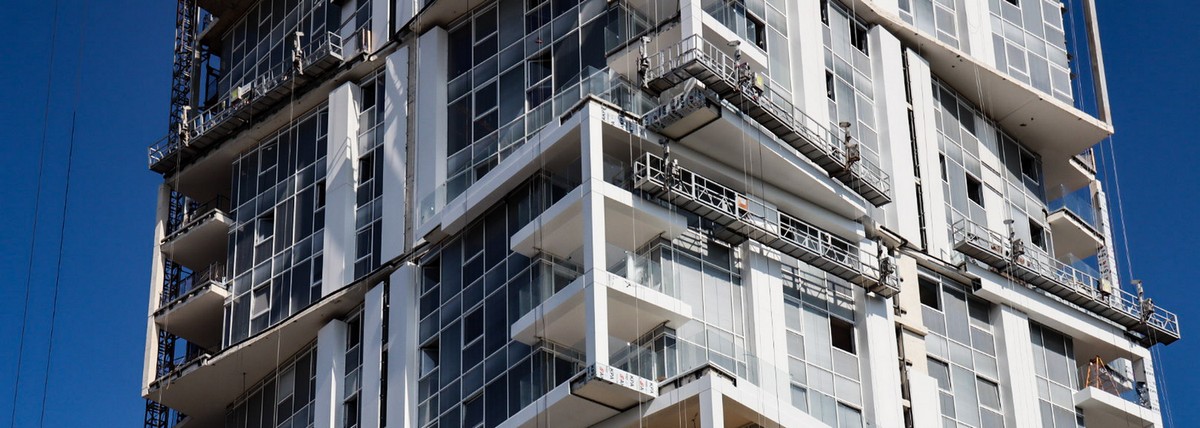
186	17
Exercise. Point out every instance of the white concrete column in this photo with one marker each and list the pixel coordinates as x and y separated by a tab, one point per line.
926	403
808	59
1016	364
150	362
712	409
975	35
690	18
395	154
331	374
594	242
405	11
767	323
887	63
340	178
877	341
381	15
927	152
402	361
431	121
372	361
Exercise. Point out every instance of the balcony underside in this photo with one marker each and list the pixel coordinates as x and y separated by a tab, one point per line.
202	388
1043	123
633	309
778	164
590	397
1065	177
630	222
1104	410
196	315
1072	235
201	242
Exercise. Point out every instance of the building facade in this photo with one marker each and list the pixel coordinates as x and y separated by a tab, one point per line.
619	213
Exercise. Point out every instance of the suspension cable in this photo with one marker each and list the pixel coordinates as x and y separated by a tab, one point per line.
37	204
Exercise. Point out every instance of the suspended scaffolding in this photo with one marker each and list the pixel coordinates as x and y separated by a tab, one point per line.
696	58
741	218
1033	266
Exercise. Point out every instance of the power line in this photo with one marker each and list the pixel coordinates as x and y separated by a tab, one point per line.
37	204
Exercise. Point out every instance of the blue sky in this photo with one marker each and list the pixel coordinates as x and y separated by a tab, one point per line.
100	327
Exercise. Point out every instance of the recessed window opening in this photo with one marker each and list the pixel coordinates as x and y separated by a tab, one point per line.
975	190
841	334
1037	235
931	296
1029	166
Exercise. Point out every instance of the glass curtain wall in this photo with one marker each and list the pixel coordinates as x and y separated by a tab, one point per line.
941	18
260	43
762	24
962	353
283	399
848	77
1054	365
276	243
472	289
823	365
505	81
1031	45
965	136
368	218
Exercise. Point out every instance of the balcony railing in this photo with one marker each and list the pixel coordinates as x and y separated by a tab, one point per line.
695	57
195	212
741	216
1036	267
1077	204
195	282
322	52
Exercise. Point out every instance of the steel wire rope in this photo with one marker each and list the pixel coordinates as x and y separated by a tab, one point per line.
62	227
37	204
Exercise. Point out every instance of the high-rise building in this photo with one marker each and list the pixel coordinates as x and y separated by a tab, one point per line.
626	213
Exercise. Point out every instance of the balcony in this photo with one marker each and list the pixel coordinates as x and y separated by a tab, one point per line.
743	217
1027	263
1069	175
238	108
632	308
1073	225
1110	399
193	311
199	238
737	84
559	230
206	383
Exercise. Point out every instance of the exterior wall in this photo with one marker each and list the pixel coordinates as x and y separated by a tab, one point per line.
747	321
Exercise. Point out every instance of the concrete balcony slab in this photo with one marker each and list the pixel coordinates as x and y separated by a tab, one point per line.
633	310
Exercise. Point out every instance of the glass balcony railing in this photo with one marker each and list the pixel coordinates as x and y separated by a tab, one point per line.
661	354
1077	204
